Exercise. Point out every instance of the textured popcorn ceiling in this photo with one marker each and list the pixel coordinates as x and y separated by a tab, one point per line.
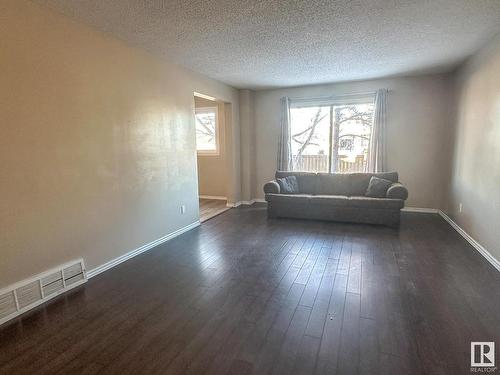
261	44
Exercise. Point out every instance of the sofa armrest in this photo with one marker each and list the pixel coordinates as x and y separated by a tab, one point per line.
272	187
397	191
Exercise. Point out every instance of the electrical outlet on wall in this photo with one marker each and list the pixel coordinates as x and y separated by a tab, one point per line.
460	207
183	209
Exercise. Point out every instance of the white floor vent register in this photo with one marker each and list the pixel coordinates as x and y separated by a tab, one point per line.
27	294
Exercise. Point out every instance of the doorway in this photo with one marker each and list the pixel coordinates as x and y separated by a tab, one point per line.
211	147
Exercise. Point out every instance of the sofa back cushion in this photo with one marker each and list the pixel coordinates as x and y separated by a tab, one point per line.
334	184
305	180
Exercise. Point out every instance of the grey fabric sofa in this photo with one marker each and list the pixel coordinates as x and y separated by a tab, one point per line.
337	197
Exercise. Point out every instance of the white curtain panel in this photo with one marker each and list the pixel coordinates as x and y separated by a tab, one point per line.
377	157
285	140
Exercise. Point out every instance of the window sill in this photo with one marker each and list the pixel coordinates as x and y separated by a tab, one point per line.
204	153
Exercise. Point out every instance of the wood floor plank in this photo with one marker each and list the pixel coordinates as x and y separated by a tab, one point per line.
349	352
305	360
284	361
332	328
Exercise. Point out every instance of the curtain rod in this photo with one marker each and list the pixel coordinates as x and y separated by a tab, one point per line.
337	96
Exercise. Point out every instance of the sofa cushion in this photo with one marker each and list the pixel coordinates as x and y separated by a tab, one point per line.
330	200
306	180
360	181
333	184
288	185
288	198
382	203
377	188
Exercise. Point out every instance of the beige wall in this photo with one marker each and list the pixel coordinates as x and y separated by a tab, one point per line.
248	148
418	125
475	178
212	174
98	145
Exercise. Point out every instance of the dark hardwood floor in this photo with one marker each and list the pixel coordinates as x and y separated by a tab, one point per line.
244	295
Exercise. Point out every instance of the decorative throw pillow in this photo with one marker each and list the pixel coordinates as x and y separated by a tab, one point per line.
288	185
377	188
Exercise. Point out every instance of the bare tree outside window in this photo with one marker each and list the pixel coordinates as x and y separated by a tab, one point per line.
206	130
333	138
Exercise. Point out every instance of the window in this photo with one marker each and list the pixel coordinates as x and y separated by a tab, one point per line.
331	137
207	137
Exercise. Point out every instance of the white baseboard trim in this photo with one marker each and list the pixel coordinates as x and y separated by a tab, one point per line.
260	200
247	203
476	245
421	210
112	263
216	197
239	203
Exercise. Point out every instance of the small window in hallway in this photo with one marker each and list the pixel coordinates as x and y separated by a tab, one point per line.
207	130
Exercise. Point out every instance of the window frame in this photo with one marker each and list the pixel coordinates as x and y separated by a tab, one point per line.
210	109
331	102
